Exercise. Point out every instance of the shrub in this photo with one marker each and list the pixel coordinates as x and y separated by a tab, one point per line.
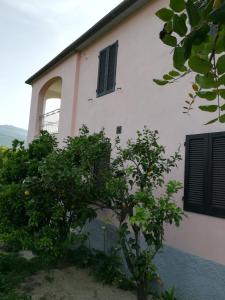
132	187
106	268
46	191
17	164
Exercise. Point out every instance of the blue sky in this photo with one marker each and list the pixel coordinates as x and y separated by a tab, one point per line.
32	33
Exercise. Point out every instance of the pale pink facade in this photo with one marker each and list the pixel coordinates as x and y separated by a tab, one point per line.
136	102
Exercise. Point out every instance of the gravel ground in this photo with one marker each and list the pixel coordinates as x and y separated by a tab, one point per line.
71	284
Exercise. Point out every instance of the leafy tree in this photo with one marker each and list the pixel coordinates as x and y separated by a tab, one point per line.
64	192
46	191
195	29
137	172
2	152
17	164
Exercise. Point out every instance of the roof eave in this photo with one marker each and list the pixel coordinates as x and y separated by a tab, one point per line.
115	16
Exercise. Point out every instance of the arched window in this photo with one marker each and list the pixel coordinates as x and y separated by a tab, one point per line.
51	103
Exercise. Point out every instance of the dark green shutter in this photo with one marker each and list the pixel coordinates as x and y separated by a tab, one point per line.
102	71
204	190
196	172
111	78
217	173
107	70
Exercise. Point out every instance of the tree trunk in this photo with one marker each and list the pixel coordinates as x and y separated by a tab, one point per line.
142	291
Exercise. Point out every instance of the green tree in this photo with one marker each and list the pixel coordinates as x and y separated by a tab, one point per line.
45	191
17	164
195	29
137	172
2	154
64	191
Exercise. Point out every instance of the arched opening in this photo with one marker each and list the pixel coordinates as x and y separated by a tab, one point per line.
51	102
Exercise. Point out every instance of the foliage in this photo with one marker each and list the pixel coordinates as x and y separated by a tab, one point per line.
195	29
168	295
81	257
67	179
105	268
137	172
13	271
18	163
2	154
46	191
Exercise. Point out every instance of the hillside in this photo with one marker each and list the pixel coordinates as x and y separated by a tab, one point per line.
8	133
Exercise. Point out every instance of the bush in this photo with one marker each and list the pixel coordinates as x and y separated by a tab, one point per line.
131	188
46	190
17	164
106	268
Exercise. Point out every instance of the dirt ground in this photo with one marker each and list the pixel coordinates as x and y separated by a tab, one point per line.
71	284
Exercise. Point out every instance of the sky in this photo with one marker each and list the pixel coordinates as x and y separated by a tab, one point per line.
32	33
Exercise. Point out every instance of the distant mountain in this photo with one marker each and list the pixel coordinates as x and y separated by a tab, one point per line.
9	133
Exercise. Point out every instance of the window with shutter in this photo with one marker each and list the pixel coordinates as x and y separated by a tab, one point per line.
107	70
205	174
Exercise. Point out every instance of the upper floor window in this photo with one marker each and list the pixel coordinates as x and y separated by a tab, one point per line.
205	174
107	70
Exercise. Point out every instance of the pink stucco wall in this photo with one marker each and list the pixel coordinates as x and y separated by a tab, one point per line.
137	102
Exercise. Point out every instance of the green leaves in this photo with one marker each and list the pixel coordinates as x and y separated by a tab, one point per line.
221	65
63	192
222	80
193	13
170	40
196	31
218	15
222	108
199	65
222	119
165	14
222	93
179	58
207	95
177	5
220	45
173	186
208	108
174	73
167	77
160	82
179	25
147	214
206	81
206	9
212	121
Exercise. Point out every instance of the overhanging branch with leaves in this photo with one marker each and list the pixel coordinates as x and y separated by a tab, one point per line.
195	29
